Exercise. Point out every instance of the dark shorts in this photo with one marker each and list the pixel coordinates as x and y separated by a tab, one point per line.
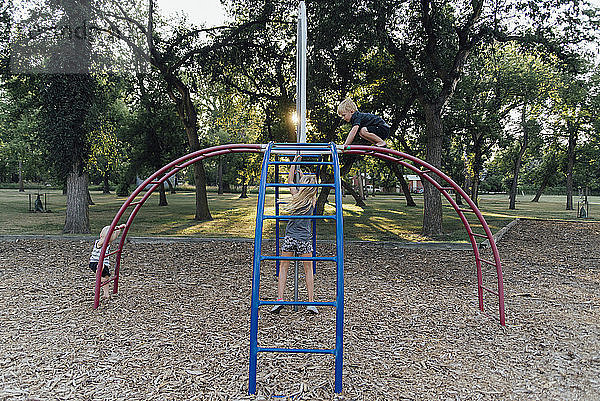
382	131
294	245
105	271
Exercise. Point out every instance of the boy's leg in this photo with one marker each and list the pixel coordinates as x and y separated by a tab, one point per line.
310	284
105	286
371	137
310	280
283	269
104	279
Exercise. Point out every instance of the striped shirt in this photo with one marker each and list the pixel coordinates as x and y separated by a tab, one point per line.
96	253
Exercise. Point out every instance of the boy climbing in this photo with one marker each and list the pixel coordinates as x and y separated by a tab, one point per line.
369	126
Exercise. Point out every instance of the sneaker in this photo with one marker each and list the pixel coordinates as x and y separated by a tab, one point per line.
312	309
382	144
276	308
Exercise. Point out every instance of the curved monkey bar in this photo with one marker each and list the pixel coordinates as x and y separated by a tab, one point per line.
423	169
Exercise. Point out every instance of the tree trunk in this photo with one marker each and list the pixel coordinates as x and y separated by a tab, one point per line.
77	219
21	186
432	201
244	193
162	195
475	190
361	185
220	176
180	94
171	186
398	172
202	211
541	189
105	186
359	200
517	166
477	166
570	164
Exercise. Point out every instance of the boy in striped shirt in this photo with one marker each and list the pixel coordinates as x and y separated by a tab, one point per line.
95	257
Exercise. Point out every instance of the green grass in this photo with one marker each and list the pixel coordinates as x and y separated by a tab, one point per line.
386	218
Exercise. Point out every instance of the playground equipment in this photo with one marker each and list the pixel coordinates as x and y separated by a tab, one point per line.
424	170
327	156
583	206
38	205
338	303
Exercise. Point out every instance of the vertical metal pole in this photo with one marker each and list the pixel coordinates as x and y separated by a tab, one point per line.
276	220
301	74
300	99
256	272
339	241
296	263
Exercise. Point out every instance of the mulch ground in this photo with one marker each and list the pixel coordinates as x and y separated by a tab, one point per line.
179	327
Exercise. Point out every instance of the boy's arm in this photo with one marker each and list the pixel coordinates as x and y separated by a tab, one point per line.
351	135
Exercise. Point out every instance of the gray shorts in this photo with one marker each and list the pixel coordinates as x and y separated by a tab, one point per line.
294	245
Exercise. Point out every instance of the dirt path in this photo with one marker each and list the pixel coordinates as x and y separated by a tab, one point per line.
179	327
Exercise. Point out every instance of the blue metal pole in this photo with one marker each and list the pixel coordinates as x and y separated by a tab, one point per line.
339	240
256	272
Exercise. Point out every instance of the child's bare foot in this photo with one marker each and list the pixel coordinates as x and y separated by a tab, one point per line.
381	144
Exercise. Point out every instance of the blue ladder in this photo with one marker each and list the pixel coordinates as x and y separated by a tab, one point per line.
291	150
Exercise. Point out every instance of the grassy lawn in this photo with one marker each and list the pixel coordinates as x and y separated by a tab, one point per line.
386	217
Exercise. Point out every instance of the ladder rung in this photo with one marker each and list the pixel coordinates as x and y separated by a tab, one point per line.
478	235
276	185
446	188
308	216
301	303
298	350
326	258
487	261
301	163
135	203
293	152
299	148
466	210
154	182
490	290
102	284
426	171
301	144
113	252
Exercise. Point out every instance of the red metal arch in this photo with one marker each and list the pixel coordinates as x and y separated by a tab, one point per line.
425	173
154	181
423	169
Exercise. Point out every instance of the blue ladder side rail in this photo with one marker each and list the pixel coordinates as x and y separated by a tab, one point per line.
256	302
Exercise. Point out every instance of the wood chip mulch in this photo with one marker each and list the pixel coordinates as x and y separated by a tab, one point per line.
179	327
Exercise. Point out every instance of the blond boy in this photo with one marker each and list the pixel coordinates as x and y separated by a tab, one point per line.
95	257
369	126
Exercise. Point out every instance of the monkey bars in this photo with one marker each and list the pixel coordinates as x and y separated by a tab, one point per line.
425	170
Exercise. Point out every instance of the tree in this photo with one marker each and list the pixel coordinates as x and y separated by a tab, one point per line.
66	95
431	42
572	107
175	54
